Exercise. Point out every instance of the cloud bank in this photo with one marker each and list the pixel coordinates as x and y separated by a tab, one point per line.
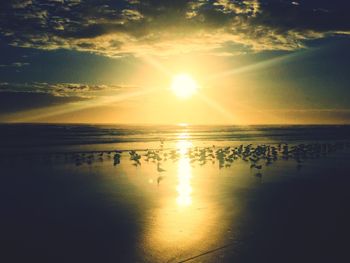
15	97
139	27
77	90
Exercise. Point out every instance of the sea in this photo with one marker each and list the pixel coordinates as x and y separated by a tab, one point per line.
83	137
177	193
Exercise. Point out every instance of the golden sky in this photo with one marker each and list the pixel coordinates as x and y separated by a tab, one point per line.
246	61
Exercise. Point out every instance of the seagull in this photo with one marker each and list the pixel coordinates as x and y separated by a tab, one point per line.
160	178
159	169
258	175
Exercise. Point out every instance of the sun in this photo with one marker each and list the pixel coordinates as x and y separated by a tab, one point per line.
184	86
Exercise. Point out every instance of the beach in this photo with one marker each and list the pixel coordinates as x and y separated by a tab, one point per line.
174	131
90	193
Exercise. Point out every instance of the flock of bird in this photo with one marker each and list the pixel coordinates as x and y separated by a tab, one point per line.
257	156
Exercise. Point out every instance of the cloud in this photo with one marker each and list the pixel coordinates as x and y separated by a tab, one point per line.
251	7
17	98
116	28
15	65
67	90
20	4
23	102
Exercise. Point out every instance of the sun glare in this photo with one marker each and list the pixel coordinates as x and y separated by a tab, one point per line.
184	86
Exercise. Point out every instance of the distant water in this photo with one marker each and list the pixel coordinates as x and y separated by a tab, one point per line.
54	137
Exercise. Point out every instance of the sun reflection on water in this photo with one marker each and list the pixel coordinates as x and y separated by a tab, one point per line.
183	218
184	174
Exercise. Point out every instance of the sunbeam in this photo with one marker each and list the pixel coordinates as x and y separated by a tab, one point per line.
51	111
156	64
230	118
254	67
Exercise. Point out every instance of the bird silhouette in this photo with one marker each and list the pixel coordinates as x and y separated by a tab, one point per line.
159	169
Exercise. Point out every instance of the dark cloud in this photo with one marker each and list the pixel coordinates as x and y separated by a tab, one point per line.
165	26
68	90
15	65
318	16
17	97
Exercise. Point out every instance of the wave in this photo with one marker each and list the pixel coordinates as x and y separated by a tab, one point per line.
24	135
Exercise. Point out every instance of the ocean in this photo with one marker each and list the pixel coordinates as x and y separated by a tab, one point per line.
118	193
71	137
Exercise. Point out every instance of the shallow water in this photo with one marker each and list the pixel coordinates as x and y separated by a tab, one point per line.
57	210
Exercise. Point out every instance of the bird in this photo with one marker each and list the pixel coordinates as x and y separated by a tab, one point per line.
258	175
160	178
159	169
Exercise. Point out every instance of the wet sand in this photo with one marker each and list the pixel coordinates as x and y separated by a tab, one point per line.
55	209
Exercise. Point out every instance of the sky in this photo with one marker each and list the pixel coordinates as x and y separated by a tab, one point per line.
114	61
